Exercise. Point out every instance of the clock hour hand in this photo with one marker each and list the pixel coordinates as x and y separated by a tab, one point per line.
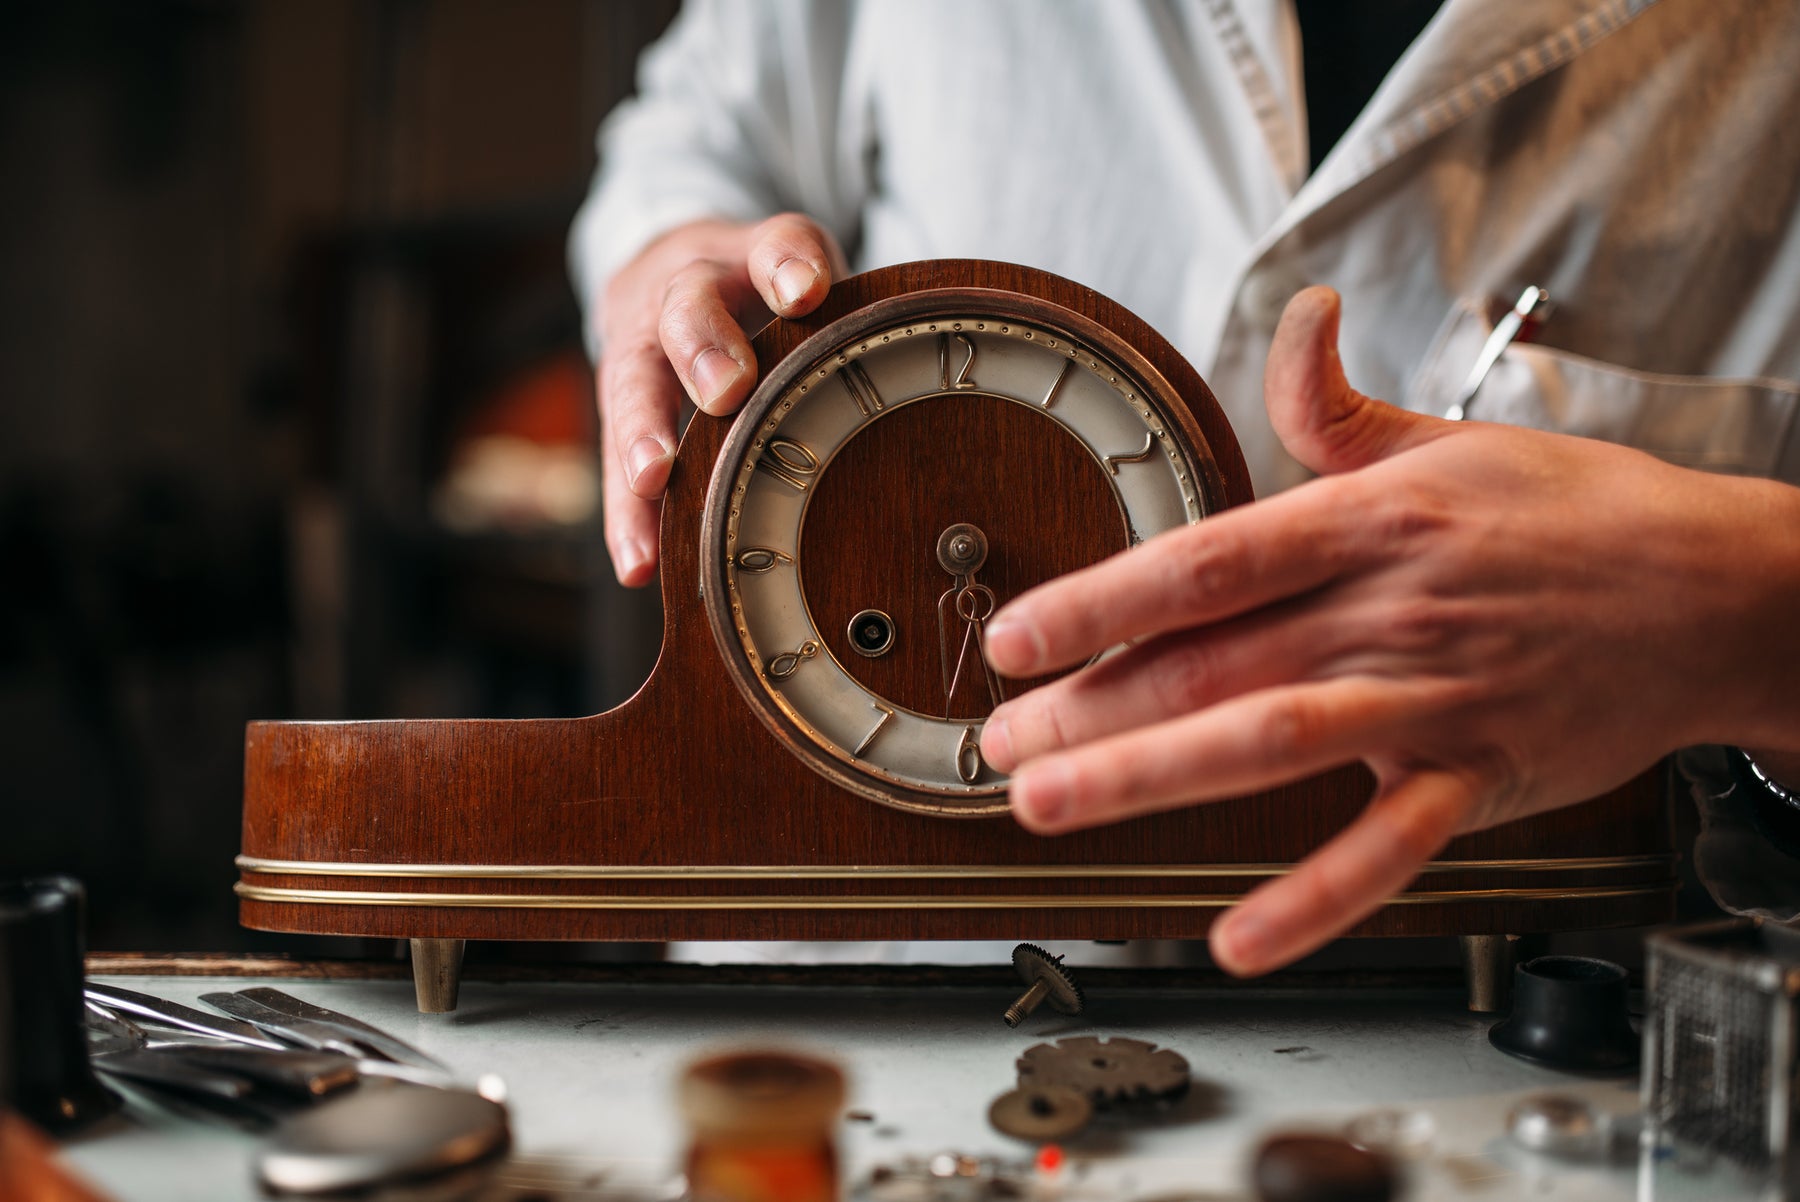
961	551
974	604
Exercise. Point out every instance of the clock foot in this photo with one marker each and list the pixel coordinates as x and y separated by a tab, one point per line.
1488	970
437	972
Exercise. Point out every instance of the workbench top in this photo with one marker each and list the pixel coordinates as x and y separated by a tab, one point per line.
590	1069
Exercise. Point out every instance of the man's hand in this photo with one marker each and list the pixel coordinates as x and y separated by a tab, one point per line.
1496	621
672	322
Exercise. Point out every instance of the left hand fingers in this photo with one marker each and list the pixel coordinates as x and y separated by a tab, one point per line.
792	263
1236	747
1345	881
701	336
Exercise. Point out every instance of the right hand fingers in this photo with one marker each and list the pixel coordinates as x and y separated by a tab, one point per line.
1155	681
1232	564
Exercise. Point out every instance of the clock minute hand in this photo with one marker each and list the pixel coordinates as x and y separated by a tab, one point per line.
945	612
974	605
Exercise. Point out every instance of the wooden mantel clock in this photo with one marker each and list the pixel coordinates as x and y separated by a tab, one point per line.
803	762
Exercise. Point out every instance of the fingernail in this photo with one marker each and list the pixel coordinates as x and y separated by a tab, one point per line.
1013	646
714	373
1241	945
633	555
645	453
793	280
996	743
1043	796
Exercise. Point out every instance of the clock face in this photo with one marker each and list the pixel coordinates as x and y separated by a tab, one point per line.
905	472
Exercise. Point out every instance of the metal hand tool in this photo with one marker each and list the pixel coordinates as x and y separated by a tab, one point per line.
1530	307
164	1072
370	1036
322	1036
120	1049
121	1046
305	1032
295	1073
164	1013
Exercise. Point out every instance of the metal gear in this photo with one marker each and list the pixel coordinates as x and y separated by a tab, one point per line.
1041	1113
1049	980
1109	1071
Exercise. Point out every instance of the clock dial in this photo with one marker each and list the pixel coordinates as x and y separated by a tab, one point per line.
1000	468
903	474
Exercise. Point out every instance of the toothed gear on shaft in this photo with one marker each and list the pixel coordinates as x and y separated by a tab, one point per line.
1035	967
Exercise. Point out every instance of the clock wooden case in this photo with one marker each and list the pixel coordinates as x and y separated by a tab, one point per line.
802	762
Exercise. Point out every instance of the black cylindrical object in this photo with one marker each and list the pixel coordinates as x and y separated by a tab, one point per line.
1572	1013
44	1069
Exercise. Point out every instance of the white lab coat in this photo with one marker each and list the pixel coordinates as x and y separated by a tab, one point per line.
1640	159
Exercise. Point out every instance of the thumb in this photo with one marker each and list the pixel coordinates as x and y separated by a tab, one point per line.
1322	421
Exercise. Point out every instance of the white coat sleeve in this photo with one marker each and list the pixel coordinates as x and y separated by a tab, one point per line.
739	115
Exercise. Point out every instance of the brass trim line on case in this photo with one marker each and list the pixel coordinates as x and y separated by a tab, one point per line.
727	872
1039	901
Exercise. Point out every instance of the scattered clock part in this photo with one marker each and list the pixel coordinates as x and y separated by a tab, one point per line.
1049	982
1309	1167
382	1135
949	1177
762	1127
1557	1125
1402	1134
1041	1113
1570	1013
1116	1071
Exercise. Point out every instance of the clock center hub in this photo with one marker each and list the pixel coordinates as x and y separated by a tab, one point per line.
962	549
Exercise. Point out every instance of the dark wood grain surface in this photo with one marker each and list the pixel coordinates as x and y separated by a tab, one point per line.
872	528
688	819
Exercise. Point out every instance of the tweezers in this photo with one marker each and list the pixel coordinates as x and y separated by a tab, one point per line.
1531	303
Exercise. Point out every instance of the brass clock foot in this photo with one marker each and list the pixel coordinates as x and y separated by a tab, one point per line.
437	973
1488	970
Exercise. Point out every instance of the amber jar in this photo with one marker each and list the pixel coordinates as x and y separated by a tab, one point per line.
762	1126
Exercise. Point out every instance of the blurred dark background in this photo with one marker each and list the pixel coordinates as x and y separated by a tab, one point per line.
296	417
296	420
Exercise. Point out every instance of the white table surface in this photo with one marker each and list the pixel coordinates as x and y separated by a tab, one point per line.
590	1070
